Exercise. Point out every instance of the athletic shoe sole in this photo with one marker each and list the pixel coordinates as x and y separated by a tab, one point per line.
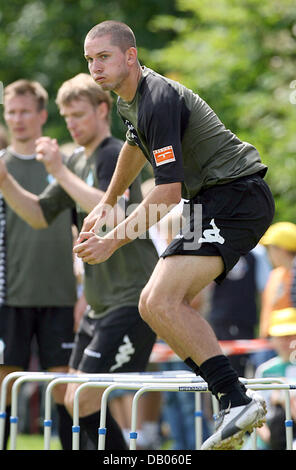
236	439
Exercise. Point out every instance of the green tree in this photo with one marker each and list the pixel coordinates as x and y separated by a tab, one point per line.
43	40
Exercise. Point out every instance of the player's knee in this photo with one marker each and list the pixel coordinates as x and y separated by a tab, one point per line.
156	306
69	399
58	393
142	305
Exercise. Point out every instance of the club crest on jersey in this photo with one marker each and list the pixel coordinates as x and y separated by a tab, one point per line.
164	155
132	132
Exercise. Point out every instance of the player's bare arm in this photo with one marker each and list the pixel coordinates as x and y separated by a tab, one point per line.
24	203
156	205
48	152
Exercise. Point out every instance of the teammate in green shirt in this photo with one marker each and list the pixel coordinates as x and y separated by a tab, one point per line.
37	283
112	336
195	157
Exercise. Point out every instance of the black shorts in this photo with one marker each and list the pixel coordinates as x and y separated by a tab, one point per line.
231	220
118	342
51	326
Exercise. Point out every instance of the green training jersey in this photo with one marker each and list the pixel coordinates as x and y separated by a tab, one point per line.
118	281
36	266
183	138
276	367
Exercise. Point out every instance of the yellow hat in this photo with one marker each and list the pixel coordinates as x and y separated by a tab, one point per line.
281	234
283	322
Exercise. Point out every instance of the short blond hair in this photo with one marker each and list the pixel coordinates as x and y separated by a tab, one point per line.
27	87
121	34
83	86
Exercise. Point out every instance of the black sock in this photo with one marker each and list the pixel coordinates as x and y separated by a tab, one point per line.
223	379
89	433
65	427
7	427
190	363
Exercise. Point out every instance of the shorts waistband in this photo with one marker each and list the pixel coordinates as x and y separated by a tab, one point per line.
259	174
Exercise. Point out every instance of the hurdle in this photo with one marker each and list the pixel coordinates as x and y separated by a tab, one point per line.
140	382
125	384
103	382
66	378
20	377
265	386
255	384
288	415
174	387
14	402
47	423
4	386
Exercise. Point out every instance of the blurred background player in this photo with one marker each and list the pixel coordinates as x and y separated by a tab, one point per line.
37	290
112	337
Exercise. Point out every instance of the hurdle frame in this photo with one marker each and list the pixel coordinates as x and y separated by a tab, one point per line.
146	382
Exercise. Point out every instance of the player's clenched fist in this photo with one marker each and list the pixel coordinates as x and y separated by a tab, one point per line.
48	152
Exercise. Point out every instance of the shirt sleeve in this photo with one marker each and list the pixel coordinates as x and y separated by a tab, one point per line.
105	165
54	200
162	119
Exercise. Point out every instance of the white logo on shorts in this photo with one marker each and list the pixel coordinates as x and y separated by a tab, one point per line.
89	352
67	345
212	235
124	353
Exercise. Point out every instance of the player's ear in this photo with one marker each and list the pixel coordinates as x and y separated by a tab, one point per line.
103	110
131	56
43	116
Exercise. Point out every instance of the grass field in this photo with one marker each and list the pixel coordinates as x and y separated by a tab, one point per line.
35	442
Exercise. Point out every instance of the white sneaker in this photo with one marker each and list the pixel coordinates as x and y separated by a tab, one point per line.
233	423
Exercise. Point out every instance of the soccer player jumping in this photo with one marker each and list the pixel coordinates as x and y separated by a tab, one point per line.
196	158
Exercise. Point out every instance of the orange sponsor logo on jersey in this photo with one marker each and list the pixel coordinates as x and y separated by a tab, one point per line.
164	155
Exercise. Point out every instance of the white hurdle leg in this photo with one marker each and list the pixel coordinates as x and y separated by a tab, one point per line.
198	420
76	427
14	399
104	401
48	394
4	386
286	387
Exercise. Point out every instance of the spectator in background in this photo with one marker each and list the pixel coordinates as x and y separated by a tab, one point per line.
112	337
282	331
37	290
280	242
